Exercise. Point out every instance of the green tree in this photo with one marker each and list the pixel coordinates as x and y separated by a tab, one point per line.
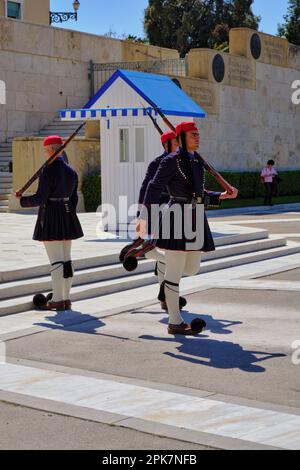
186	24
135	39
242	16
290	29
221	37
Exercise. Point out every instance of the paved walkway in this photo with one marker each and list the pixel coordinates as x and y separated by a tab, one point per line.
109	368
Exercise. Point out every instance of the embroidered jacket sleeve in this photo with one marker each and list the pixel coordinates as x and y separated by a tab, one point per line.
43	192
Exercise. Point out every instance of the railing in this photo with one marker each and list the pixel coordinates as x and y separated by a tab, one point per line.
100	73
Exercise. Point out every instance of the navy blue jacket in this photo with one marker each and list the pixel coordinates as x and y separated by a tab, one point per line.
57	180
184	175
181	179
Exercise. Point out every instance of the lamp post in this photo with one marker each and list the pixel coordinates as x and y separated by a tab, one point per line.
60	17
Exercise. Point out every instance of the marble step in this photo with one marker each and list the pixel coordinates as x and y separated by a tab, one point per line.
23	304
85	277
34	271
5	176
4	184
3	208
5	179
4	203
4	167
5	193
97	289
4	164
104	273
6	146
5	157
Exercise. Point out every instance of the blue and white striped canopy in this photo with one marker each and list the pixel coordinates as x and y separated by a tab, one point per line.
82	114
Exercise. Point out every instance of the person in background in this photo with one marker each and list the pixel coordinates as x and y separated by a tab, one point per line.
268	175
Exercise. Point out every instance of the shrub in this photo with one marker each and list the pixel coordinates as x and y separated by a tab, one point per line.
250	186
91	190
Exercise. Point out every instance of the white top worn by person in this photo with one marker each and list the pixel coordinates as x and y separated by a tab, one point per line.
268	174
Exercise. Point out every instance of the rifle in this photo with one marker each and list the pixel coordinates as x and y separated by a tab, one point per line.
48	162
206	165
159	130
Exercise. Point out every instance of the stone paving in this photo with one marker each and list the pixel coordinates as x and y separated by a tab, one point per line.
110	362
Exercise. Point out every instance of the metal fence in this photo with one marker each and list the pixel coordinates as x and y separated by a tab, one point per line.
100	73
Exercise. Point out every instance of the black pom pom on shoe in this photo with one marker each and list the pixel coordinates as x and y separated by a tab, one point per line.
130	264
49	297
198	325
39	300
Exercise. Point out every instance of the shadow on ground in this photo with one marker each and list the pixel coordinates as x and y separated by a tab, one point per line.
72	321
216	354
76	322
213	353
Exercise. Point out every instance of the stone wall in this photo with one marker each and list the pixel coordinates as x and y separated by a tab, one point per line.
246	93
83	155
46	69
250	114
34	11
37	11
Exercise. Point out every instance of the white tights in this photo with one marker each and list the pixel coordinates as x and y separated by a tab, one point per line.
172	265
59	252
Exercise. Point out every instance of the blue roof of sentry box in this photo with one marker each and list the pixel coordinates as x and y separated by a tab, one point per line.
158	90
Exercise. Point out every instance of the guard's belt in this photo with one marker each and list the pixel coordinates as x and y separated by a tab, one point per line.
59	199
189	200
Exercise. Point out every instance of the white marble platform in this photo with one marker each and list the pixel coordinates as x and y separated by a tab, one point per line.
214	417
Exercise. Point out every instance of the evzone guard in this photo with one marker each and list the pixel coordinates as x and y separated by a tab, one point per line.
57	224
182	172
170	145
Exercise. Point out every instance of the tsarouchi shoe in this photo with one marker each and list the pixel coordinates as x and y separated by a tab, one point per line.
183	329
195	328
59	306
68	305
